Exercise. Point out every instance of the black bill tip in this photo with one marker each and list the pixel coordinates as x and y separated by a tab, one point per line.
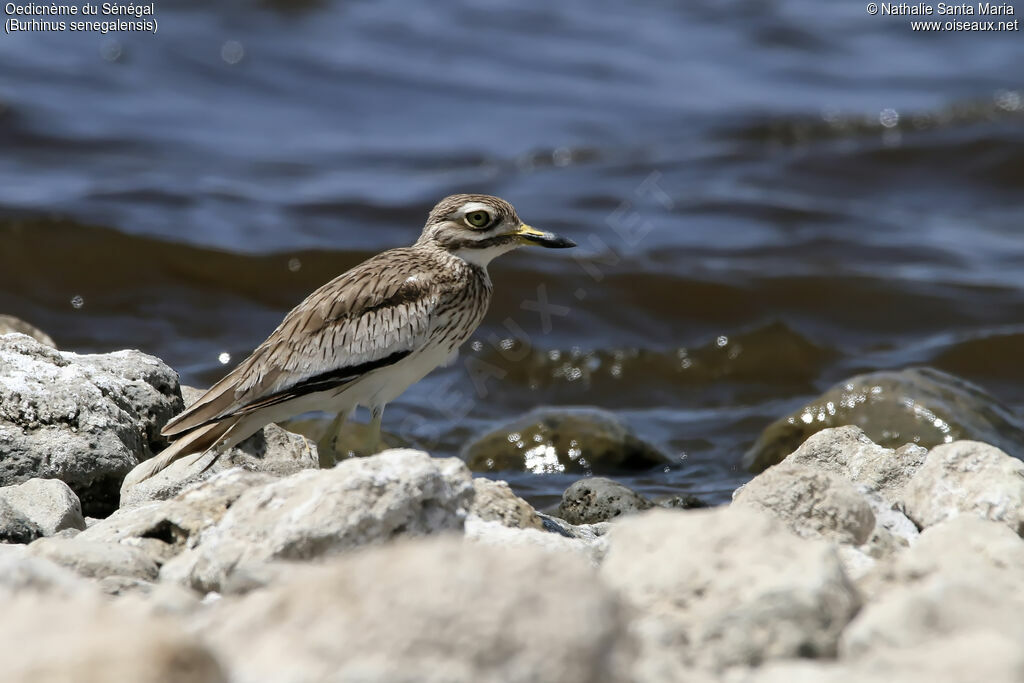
549	240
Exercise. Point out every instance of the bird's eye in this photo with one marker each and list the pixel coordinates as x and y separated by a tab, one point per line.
478	219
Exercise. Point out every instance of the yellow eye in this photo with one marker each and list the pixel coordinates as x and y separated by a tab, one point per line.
478	219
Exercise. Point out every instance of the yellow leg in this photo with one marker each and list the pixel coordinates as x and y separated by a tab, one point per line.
329	443
373	444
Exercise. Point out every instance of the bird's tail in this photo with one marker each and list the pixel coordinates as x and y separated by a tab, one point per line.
198	441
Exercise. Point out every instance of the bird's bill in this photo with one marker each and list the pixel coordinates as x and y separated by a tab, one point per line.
544	239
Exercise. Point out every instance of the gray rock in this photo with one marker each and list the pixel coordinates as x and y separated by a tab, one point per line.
11	325
849	453
919	405
84	419
578	440
424	611
22	574
586	540
15	526
272	450
92	641
48	503
963	549
157	598
96	559
962	576
165	529
596	499
980	655
494	501
967	477
893	531
727	587
812	503
317	513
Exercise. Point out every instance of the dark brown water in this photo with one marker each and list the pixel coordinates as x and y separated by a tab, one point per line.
768	198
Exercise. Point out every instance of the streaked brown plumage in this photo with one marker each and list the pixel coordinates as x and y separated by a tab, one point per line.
364	337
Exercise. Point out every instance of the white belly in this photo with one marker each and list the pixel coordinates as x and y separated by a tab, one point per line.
386	384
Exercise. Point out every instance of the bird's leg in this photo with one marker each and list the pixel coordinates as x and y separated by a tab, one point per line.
329	444
373	444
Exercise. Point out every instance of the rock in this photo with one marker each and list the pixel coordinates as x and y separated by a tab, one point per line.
11	325
158	598
96	559
576	440
596	499
91	641
83	419
964	549
48	503
726	587
893	530
919	405
812	503
272	450
682	501
967	477
849	453
316	513
164	529
494	501
857	563
428	610
961	576
563	528
22	574
15	526
981	655
588	541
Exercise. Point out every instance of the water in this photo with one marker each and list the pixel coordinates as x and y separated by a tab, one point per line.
768	197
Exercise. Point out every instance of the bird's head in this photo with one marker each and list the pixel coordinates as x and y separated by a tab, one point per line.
478	227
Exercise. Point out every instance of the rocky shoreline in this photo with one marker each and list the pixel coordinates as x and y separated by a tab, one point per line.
848	560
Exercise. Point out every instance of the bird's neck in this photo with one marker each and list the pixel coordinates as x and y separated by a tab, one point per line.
481	256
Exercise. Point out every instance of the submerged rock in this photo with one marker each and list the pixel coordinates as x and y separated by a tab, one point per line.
597	499
428	610
581	440
967	478
83	419
11	325
919	405
727	587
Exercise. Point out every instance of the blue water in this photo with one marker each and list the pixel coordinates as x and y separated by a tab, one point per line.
725	167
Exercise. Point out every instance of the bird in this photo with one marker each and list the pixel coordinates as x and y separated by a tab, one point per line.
363	338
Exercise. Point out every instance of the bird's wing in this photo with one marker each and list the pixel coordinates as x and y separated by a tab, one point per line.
367	318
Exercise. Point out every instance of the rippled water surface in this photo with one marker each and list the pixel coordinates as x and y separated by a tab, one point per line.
768	197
